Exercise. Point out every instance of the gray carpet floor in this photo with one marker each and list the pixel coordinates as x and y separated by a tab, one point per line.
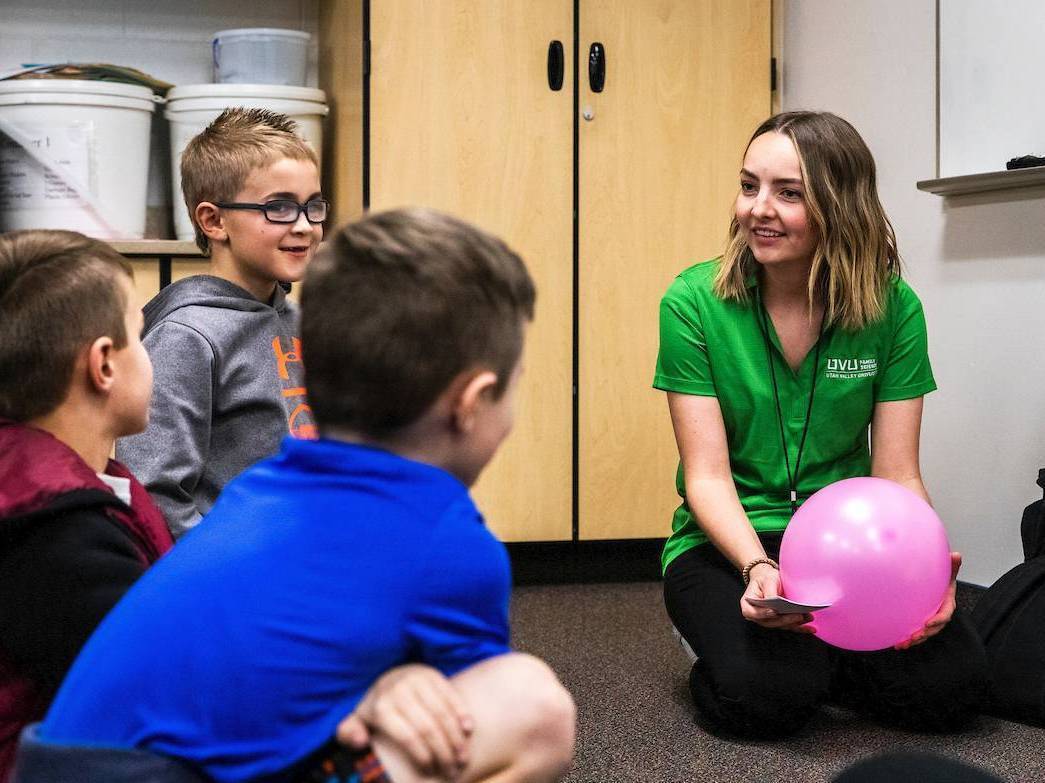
611	645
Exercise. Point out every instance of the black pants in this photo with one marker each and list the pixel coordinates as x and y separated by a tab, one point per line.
751	681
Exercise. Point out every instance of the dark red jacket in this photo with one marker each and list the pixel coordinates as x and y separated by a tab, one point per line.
69	549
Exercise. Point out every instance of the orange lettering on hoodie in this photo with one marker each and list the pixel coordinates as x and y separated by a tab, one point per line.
305	430
292	356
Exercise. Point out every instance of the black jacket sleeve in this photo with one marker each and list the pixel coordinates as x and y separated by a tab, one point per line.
58	579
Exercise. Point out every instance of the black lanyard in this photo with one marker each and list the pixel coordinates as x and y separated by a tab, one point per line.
792	479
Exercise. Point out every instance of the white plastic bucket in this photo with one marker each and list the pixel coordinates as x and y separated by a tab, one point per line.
260	55
192	108
74	154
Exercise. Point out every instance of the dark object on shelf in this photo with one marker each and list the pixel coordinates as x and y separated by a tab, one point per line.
1025	162
102	72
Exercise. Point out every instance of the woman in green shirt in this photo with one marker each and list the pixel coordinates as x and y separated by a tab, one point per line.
778	358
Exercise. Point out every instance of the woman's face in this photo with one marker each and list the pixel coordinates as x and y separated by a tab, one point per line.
771	204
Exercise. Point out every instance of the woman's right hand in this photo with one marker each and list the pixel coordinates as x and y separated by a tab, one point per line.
765	583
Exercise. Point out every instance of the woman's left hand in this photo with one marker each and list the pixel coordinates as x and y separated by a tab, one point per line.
936	623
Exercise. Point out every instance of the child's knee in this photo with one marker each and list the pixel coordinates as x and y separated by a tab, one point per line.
552	704
547	716
540	716
539	700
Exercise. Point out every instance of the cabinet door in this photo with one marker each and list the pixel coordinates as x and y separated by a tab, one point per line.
462	119
686	83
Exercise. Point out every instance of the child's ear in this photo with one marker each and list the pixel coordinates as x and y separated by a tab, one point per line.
100	371
475	390
209	219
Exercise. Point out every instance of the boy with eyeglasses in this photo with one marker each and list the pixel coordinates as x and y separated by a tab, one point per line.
226	345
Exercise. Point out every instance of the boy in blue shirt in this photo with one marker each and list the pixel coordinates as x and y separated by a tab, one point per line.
325	567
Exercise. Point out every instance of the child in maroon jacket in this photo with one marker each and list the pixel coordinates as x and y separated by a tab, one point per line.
76	529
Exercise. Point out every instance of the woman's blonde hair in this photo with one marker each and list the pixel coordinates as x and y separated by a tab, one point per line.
855	255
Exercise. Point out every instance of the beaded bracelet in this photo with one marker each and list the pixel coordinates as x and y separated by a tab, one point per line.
746	573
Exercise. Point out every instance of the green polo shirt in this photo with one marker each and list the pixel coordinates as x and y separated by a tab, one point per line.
716	348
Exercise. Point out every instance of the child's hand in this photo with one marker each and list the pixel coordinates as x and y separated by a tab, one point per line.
416	707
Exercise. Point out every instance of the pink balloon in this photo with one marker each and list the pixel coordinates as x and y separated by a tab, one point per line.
873	550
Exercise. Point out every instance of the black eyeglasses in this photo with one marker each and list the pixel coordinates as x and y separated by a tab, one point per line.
283	210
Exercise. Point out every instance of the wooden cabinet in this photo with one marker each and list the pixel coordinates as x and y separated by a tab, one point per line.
659	160
462	119
606	195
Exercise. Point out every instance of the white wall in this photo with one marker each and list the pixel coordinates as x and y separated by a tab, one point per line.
168	39
978	263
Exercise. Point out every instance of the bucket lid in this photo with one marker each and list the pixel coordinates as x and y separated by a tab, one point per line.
77	86
276	91
249	32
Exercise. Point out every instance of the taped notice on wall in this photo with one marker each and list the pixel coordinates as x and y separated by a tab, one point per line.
25	183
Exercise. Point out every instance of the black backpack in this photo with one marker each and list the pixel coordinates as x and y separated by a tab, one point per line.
1010	617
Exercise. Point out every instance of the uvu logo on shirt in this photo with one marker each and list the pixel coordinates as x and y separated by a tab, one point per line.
847	368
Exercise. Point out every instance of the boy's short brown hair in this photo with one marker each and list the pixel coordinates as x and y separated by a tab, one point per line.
216	163
396	305
58	292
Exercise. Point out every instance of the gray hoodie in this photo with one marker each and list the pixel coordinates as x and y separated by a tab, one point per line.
228	386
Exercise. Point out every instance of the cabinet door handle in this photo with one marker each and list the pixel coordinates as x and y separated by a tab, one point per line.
556	65
597	67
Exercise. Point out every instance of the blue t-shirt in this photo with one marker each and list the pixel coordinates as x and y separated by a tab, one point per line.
316	571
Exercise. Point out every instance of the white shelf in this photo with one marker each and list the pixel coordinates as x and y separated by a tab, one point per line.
982	183
154	248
